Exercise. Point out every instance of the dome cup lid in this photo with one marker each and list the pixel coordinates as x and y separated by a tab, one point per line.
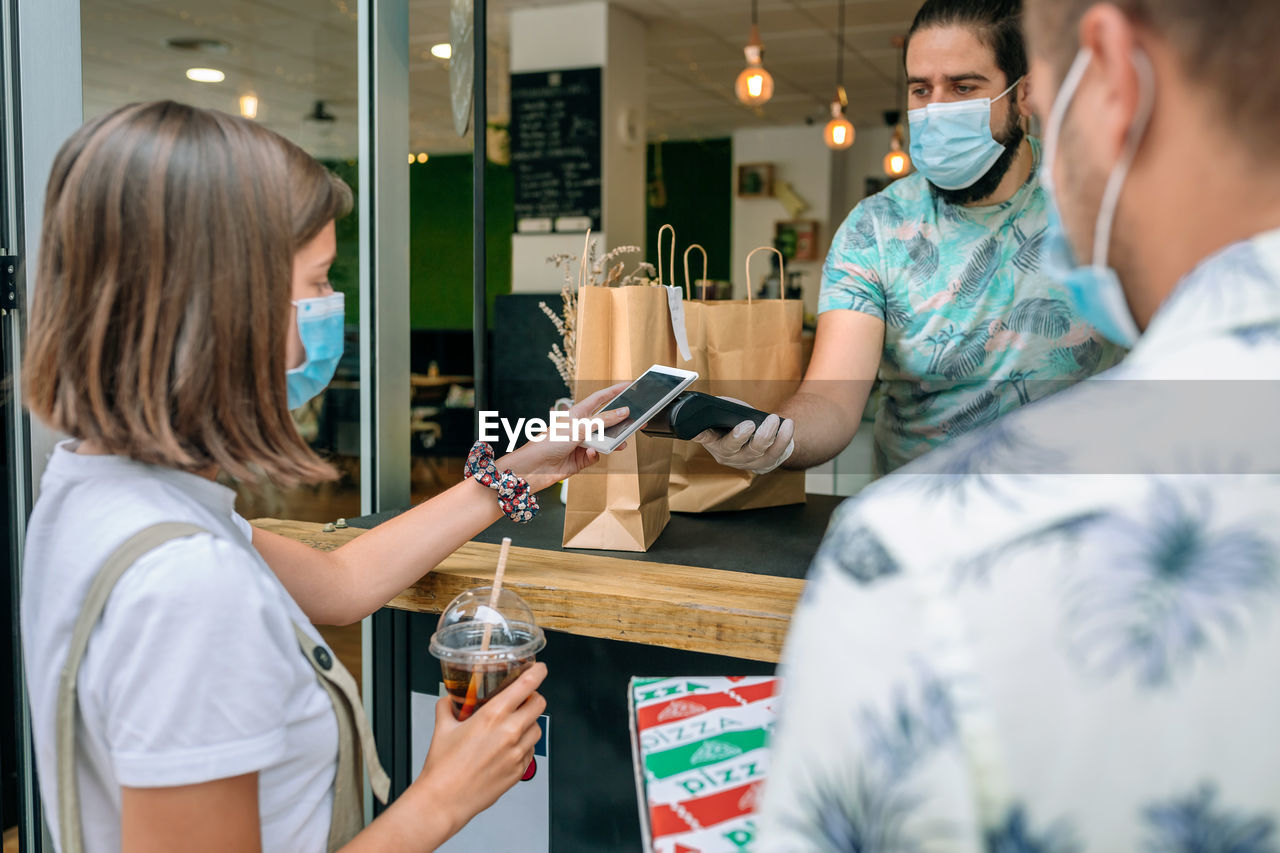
513	635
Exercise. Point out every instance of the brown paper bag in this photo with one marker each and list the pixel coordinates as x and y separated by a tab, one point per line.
750	350
620	503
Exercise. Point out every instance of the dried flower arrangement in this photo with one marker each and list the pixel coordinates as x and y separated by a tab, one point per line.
594	271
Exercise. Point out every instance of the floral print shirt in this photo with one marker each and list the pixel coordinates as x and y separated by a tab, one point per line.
1060	632
973	328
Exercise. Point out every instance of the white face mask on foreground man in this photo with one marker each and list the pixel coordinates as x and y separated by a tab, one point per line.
1060	631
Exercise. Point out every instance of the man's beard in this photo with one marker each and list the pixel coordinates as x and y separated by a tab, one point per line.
1011	138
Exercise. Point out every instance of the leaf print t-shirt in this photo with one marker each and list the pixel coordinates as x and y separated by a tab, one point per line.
973	328
1059	632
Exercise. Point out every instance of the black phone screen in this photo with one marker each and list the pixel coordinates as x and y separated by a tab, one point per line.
641	396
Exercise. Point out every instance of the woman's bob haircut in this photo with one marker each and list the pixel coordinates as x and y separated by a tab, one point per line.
161	309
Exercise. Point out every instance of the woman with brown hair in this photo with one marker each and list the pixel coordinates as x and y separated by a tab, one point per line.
181	698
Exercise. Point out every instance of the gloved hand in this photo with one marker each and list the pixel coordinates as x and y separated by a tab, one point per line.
750	448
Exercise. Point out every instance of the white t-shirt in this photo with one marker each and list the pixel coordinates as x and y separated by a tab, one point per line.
193	673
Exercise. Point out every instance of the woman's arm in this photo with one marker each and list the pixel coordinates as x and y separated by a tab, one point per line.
345	585
212	816
469	765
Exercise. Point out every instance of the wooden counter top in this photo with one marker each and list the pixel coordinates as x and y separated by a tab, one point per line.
681	607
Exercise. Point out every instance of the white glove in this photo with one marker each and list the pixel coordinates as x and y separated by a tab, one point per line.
750	448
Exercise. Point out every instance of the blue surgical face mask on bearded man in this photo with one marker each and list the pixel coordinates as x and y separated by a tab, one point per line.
951	143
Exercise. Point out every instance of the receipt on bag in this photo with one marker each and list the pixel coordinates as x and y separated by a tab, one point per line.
675	301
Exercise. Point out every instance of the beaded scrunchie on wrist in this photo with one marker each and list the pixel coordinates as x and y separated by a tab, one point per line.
514	498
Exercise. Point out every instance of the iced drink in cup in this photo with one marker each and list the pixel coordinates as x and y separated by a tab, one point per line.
472	673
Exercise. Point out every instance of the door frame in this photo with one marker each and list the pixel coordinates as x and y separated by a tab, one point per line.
41	104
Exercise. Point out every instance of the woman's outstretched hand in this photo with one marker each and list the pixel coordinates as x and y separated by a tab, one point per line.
543	462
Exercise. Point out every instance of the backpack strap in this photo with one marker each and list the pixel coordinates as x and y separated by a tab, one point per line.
355	737
142	542
354	732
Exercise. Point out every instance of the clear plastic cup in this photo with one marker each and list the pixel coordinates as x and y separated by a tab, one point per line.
473	676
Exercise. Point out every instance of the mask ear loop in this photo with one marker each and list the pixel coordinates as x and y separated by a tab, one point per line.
1012	86
1115	183
336	296
1053	124
963	106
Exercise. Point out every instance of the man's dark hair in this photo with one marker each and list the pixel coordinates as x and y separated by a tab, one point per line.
997	24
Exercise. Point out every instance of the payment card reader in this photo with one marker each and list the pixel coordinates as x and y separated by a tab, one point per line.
692	412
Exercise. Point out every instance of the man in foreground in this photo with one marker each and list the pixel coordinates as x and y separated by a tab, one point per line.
1060	632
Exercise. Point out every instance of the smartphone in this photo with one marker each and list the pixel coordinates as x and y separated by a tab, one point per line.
645	398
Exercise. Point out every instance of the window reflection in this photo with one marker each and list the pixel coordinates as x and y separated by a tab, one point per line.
292	66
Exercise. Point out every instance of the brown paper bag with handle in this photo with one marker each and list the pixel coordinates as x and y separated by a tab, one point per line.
751	350
620	503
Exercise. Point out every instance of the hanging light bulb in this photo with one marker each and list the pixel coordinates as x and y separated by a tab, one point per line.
897	162
754	85
839	132
249	105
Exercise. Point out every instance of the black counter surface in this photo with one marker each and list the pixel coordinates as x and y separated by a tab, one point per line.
778	541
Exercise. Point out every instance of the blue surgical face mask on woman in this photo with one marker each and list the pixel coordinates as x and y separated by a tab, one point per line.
1095	289
951	143
321	323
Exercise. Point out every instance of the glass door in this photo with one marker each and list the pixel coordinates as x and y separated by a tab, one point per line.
332	76
20	812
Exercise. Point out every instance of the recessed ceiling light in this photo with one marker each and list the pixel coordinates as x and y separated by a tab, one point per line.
442	51
205	75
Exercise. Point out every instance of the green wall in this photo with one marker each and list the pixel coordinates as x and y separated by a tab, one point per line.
699	184
440	240
698	176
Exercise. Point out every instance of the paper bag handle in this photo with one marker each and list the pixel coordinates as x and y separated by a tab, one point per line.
582	262
671	261
782	270
692	246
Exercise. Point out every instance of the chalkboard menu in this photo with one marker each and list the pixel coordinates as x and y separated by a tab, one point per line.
555	150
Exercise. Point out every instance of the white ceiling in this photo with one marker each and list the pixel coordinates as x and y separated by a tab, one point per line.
294	52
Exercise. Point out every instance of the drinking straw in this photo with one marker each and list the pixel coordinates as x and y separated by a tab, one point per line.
473	688
497	590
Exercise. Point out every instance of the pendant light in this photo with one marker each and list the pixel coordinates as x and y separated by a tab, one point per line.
839	133
754	85
897	162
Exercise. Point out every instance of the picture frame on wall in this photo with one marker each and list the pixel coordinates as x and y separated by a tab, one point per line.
797	239
755	180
